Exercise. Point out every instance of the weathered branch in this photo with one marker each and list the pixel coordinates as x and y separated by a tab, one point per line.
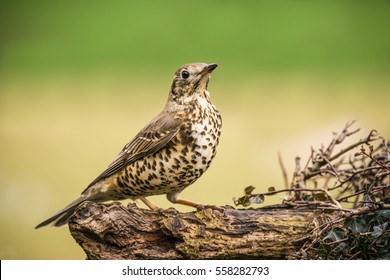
113	231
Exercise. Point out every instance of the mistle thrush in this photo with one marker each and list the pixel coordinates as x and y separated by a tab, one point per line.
170	153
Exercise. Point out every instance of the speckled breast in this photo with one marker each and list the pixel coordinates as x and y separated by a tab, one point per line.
183	160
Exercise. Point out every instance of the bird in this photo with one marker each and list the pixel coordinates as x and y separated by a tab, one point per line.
170	153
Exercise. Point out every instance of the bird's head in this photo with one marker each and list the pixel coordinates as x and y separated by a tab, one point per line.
191	80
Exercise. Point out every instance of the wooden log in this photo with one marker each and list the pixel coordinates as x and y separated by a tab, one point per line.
112	231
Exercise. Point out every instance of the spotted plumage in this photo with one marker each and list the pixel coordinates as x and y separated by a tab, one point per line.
170	153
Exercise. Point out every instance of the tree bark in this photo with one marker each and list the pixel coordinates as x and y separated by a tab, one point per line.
112	231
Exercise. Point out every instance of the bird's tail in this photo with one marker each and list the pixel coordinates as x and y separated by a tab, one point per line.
62	217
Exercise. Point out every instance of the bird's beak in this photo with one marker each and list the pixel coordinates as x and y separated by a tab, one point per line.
209	68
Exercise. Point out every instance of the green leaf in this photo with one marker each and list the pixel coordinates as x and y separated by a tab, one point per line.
378	230
384	213
321	196
244	201
248	190
307	197
335	234
247	200
369	199
356	224
271	189
257	199
385	256
341	247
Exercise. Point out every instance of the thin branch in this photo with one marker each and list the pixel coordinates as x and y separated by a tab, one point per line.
371	137
284	170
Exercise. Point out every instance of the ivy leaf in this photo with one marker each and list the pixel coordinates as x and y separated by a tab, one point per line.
257	199
248	190
356	224
335	234
378	230
307	197
244	201
384	256
341	247
321	196
247	200
369	200
384	213
287	198
271	189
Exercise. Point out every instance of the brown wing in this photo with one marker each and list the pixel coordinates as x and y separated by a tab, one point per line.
149	140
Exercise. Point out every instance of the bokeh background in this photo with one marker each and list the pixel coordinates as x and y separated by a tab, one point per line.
78	79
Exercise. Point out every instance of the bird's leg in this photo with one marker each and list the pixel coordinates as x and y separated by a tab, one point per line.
149	204
174	198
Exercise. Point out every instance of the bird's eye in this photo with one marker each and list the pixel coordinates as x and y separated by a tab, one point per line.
185	74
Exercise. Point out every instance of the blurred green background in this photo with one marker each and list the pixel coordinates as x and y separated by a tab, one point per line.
78	79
